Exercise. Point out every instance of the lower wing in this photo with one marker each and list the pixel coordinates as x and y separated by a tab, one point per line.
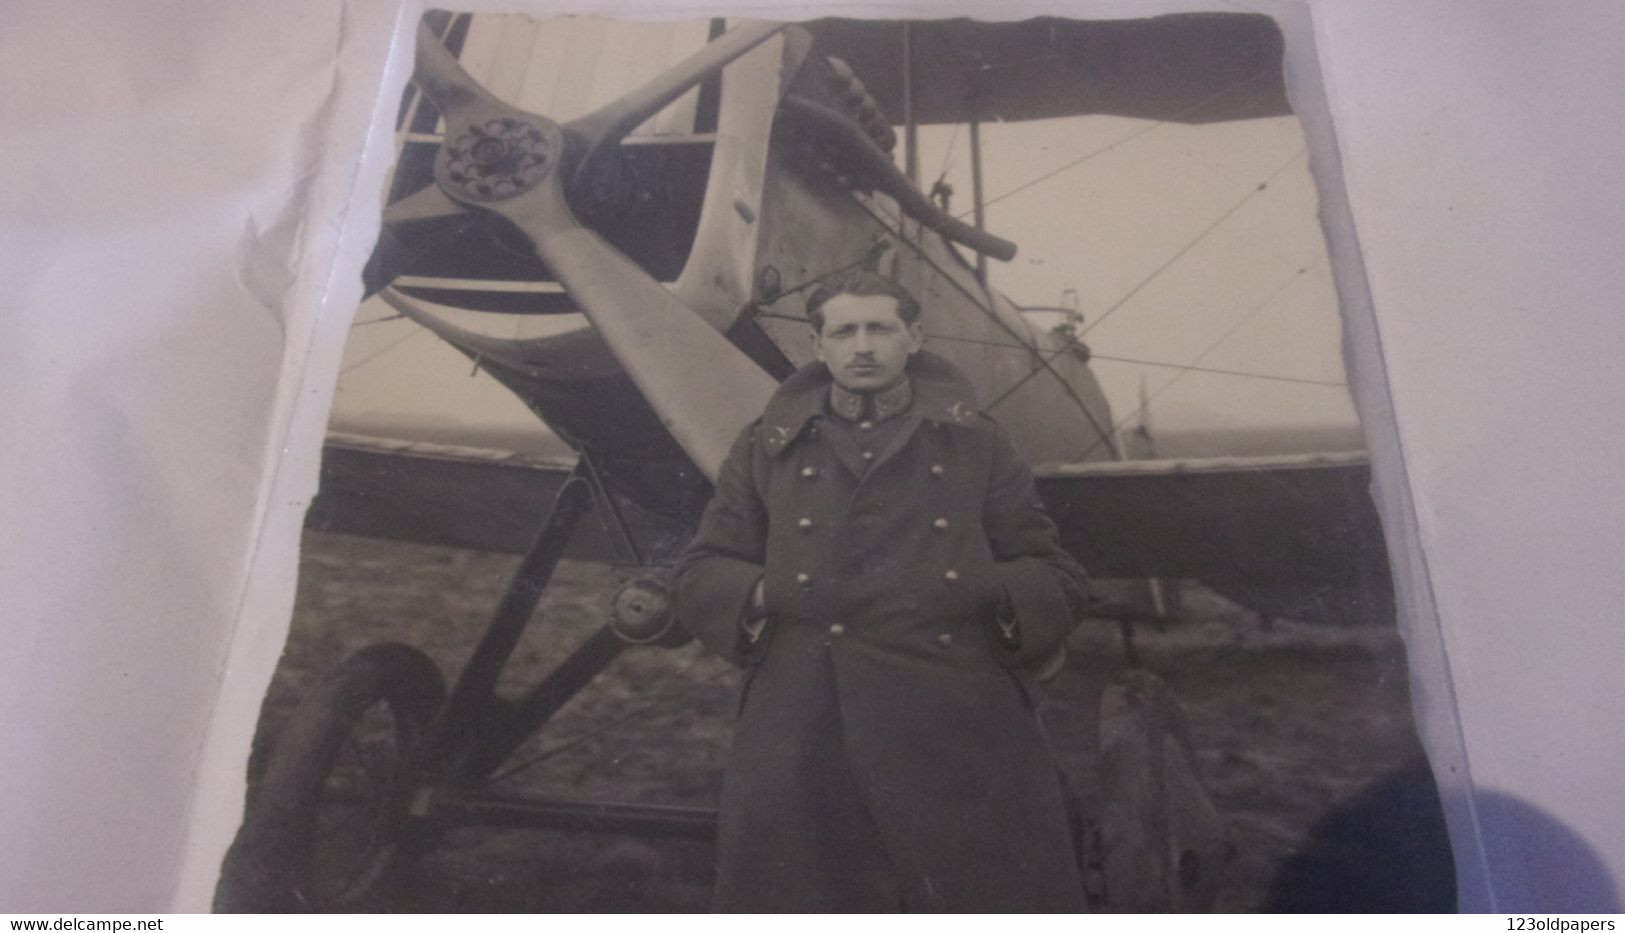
1256	521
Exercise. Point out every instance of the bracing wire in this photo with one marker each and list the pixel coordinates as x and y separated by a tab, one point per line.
1191	244
1093	355
377	353
1193	108
1041	362
813	282
1179	254
378	320
1192	367
1213	371
948	152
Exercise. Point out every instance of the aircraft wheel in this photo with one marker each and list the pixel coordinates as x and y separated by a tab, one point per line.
1163	846
325	827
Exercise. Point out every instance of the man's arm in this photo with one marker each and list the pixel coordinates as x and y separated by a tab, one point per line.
716	585
1046	591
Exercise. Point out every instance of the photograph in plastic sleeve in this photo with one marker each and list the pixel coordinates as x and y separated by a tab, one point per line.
718	456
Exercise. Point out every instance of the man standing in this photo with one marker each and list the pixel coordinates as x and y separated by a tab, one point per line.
876	556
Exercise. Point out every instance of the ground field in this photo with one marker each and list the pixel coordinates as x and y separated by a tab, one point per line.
1292	724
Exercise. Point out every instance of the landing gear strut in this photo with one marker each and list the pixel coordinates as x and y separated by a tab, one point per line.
379	758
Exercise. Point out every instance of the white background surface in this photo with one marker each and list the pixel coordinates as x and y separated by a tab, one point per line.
183	212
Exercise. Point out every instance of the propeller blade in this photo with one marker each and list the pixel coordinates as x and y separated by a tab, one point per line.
427	203
502	349
393	254
468	109
439	75
705	389
609	123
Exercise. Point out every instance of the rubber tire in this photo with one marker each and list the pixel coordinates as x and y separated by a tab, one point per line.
382	697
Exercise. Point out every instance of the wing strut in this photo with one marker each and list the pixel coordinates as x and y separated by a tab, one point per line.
911	141
976	190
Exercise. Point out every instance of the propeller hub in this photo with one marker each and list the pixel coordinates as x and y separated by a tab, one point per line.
499	158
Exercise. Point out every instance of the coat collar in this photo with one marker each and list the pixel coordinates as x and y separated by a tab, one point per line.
887	403
941	394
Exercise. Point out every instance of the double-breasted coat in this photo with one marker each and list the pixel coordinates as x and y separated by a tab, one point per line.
886	754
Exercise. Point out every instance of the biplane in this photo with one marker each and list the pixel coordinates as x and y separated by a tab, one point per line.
635	275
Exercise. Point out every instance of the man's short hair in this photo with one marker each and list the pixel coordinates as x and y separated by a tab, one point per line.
862	284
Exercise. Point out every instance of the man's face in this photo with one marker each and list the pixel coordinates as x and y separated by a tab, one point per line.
864	342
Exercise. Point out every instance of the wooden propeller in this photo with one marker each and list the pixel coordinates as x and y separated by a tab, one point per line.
516	164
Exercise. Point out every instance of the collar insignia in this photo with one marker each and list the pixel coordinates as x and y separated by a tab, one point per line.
854	406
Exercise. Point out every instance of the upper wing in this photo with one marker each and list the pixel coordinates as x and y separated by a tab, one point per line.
1186	67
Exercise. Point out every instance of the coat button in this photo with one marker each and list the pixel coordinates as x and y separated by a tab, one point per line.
809	472
866	425
937	469
940	524
837	629
945	639
951	576
803	579
868	455
804	523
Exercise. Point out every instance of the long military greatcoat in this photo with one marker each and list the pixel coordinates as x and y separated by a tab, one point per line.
886	754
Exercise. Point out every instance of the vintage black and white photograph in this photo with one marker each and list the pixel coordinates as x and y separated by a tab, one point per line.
846	465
